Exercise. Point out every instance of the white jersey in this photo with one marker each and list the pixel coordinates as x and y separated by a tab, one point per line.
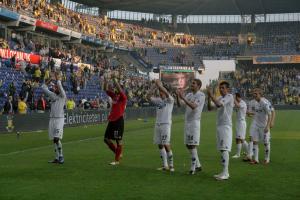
261	111
224	114
194	114
241	111
164	108
57	101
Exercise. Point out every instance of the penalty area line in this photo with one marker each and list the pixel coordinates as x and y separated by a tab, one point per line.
47	146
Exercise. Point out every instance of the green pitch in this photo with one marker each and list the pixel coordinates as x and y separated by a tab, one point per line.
25	173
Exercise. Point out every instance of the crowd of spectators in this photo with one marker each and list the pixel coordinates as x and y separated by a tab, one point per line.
128	35
74	80
281	84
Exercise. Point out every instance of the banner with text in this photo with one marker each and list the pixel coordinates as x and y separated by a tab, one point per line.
46	25
27	20
32	58
276	59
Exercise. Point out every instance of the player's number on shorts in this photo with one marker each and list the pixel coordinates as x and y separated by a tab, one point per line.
164	137
190	137
116	134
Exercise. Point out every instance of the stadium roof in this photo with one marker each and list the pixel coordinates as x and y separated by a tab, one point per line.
198	7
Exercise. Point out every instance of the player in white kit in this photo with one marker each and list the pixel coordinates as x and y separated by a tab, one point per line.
56	123
194	102
263	120
225	104
162	134
241	125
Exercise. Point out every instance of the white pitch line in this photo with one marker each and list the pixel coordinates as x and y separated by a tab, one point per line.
47	146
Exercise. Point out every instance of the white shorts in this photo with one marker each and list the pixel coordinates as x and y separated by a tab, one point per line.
241	127
56	128
224	138
162	134
258	134
192	133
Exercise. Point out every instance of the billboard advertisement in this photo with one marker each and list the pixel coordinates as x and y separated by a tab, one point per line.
27	20
46	25
9	14
276	59
177	79
76	34
32	58
63	31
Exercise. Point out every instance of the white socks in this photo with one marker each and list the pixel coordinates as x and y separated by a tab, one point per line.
238	149
195	160
250	149
255	151
225	162
245	145
163	155
58	149
170	158
267	152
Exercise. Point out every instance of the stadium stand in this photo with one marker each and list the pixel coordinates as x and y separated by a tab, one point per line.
151	44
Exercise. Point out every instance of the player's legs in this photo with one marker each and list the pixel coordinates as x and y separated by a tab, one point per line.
59	149
118	129
114	131
267	145
119	150
225	163
238	148
240	138
249	150
192	140
110	144
254	135
108	136
162	137
259	135
255	153
162	151
165	140
224	142
56	134
163	156
195	162
169	152
245	145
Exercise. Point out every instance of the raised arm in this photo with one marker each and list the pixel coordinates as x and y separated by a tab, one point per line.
178	99
150	93
52	95
118	86
188	103
236	103
211	96
60	88
160	86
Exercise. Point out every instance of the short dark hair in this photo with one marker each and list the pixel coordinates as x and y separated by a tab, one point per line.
238	95
225	83
198	81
